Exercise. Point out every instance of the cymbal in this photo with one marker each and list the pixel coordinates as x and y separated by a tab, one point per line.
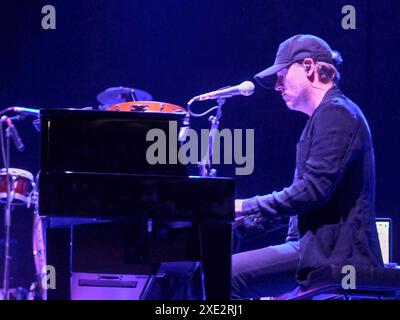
115	95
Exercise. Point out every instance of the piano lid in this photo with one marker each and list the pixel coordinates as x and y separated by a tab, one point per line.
106	141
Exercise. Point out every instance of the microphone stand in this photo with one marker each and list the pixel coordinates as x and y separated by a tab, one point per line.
7	217
7	209
205	169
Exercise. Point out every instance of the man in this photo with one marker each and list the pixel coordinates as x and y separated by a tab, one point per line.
331	200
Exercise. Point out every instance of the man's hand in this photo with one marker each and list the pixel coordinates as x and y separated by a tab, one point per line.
239	217
238	206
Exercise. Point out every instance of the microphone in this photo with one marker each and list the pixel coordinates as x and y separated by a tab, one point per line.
246	88
14	134
26	110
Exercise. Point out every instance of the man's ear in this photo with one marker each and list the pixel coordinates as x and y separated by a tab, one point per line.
309	66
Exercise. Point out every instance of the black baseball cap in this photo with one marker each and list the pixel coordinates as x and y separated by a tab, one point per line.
294	49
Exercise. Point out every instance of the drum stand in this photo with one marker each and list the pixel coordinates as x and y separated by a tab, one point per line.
39	244
205	169
7	214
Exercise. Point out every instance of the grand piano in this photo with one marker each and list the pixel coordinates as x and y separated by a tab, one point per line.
106	210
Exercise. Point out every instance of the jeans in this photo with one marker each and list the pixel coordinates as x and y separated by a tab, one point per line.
268	271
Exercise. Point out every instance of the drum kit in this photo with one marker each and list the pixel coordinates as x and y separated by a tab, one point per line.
18	186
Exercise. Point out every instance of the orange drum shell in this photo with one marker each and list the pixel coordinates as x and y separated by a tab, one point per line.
146	106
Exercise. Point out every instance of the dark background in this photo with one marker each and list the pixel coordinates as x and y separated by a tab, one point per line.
176	49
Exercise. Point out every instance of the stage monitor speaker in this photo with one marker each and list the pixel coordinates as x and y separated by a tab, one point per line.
91	286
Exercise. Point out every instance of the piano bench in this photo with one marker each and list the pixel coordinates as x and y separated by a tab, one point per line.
370	284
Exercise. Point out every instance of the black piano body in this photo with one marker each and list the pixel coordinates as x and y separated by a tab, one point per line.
107	210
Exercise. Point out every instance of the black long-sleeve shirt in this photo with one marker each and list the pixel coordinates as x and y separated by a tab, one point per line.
331	200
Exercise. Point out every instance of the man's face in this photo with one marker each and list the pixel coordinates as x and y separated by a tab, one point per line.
292	83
